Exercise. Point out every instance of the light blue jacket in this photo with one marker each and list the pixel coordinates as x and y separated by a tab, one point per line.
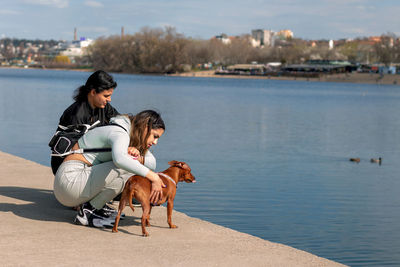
118	139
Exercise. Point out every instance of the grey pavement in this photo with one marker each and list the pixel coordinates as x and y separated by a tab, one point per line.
38	231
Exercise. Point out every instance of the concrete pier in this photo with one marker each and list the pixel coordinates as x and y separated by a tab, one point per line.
38	231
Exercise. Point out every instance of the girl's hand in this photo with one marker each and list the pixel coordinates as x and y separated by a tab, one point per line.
156	190
133	152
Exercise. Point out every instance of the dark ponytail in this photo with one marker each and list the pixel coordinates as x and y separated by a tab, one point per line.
99	81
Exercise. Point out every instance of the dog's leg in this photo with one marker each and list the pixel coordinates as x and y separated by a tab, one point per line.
170	206
145	216
148	218
121	206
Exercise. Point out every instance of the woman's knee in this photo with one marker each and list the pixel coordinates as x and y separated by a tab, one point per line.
117	185
70	185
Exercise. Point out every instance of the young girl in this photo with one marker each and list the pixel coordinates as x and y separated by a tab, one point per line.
93	179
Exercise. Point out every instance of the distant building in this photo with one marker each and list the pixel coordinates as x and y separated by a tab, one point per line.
286	34
263	37
268	38
375	39
331	45
223	38
75	48
254	42
2	59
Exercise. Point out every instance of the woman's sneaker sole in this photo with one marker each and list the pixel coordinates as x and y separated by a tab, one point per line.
87	217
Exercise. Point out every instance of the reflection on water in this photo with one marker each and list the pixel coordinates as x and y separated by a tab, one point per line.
271	157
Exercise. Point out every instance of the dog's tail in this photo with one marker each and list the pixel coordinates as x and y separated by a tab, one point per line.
132	192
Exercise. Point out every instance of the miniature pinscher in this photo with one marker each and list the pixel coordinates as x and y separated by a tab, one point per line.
139	187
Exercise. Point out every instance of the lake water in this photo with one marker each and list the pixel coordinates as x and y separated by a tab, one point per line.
271	157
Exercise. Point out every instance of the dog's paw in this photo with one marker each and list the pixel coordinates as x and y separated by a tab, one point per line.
173	226
146	234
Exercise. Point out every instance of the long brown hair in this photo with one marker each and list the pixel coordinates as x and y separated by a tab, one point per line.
141	126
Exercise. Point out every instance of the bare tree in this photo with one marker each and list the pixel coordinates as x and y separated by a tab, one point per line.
386	49
163	50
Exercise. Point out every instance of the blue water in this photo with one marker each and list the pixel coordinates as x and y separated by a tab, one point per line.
271	157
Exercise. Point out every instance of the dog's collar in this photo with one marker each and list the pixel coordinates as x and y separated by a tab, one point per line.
168	177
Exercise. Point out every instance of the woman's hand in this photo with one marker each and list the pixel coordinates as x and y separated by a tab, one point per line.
156	190
133	152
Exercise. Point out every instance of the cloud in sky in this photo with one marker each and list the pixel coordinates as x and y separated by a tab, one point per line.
55	3
308	19
93	4
99	30
8	12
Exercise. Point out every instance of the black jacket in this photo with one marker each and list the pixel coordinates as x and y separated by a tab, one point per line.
82	113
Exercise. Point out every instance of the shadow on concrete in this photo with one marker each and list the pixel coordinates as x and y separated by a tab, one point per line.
133	220
43	206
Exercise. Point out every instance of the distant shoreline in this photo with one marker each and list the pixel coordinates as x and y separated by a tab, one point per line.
362	78
15	67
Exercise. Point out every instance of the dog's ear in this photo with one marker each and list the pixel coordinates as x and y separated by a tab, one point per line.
173	162
179	164
185	166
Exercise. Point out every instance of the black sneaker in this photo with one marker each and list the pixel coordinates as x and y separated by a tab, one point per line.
110	211
89	216
136	203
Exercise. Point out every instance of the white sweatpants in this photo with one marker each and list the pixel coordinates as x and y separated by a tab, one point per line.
76	183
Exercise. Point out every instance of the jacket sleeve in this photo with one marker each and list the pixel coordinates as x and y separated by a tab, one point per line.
73	115
110	111
150	161
119	141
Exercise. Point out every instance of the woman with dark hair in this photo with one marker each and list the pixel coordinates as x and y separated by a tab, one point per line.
91	105
91	180
99	81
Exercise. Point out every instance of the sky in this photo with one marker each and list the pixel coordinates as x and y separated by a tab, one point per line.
202	19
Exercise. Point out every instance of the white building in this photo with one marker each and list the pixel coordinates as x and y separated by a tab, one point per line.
223	38
76	48
263	37
331	44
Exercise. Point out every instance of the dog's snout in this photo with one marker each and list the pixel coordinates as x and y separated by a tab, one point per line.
190	178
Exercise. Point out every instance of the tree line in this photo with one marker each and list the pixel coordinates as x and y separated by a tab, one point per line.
164	50
154	50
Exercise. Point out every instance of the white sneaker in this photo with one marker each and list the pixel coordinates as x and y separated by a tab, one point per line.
89	216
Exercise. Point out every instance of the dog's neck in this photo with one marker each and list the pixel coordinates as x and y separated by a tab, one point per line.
173	172
168	177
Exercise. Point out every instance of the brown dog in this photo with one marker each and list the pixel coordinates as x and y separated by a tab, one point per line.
140	188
